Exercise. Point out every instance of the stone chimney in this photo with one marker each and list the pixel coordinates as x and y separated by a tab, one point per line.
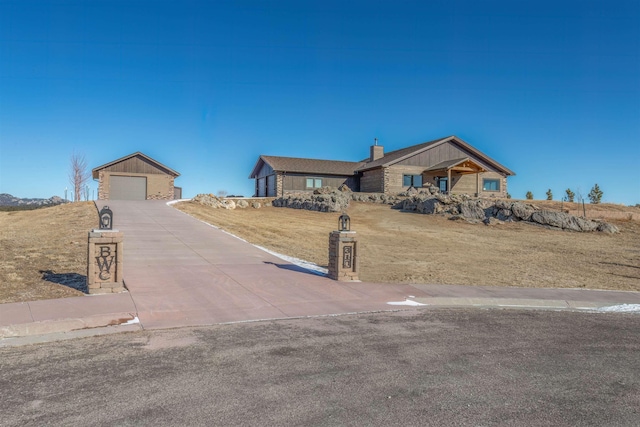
377	151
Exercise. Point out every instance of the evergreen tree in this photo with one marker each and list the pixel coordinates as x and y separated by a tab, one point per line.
529	195
570	195
549	195
595	195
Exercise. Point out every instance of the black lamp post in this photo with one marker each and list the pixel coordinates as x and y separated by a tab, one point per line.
344	222
106	218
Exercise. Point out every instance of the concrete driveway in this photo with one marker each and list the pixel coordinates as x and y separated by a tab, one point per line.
183	272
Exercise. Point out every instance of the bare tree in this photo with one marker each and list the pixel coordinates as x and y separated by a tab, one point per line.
78	175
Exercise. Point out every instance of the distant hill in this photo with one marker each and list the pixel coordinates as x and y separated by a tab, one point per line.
9	200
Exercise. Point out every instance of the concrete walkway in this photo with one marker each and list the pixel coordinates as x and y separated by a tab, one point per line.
182	272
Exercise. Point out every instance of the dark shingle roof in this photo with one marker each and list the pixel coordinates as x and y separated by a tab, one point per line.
336	167
315	166
393	156
399	155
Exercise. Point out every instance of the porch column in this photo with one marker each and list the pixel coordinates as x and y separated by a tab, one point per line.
448	181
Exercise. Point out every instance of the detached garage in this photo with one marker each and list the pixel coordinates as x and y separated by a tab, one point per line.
135	177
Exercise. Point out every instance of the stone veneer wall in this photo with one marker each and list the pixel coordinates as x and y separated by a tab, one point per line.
103	193
343	256
158	188
279	184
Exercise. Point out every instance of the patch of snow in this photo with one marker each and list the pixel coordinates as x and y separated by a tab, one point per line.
406	302
173	202
314	268
133	321
621	308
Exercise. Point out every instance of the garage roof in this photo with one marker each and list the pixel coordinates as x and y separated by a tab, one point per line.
143	156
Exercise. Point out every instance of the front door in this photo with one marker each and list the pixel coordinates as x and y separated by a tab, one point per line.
442	184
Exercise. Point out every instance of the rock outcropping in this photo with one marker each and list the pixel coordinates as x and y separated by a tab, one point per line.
493	212
424	201
458	207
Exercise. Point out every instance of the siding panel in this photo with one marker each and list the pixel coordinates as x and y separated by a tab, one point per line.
135	165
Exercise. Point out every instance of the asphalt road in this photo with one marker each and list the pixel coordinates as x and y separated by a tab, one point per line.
419	367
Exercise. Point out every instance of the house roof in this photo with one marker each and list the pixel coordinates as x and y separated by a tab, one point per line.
464	162
311	166
136	154
447	164
396	156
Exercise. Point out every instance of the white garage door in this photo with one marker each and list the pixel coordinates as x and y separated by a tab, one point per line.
127	188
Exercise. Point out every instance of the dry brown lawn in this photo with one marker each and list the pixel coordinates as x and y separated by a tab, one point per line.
44	251
401	247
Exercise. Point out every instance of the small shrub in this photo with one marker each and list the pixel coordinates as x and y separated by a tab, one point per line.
529	195
549	195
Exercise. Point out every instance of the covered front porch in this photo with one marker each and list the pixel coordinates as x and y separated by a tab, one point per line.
458	175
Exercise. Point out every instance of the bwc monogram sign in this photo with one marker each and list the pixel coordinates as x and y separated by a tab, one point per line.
105	260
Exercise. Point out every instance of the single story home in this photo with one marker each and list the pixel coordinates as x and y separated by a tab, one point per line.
136	177
450	163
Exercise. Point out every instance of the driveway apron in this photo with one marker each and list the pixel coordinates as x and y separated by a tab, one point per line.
183	272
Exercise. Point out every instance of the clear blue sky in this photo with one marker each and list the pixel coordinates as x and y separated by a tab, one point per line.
550	89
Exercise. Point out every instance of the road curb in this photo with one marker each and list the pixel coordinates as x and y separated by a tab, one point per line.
66	325
513	303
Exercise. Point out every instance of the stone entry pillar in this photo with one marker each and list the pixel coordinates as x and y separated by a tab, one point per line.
104	272
343	256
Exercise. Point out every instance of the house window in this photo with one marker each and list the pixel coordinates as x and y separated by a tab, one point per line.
412	180
490	184
314	182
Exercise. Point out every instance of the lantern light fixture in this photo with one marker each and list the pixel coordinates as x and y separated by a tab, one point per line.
344	222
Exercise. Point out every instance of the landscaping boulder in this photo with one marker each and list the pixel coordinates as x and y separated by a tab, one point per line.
332	201
563	220
472	209
522	211
605	227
